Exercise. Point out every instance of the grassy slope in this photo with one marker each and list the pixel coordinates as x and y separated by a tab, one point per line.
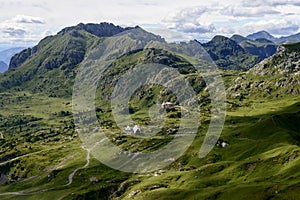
261	162
52	69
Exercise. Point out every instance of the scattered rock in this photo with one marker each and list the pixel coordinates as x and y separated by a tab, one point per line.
134	193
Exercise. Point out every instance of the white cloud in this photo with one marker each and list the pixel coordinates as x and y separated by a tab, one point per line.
47	33
187	21
21	30
14	32
238	11
197	28
272	3
276	27
241	17
28	19
169	35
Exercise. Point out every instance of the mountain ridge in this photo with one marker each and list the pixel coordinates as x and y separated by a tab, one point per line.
278	40
259	47
103	29
228	54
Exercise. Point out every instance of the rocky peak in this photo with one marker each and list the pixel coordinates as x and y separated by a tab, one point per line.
19	58
102	29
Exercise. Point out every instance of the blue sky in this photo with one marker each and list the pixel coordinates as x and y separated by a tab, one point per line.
25	22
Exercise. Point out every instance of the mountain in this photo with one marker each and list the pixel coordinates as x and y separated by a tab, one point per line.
289	39
282	40
261	34
100	30
51	65
228	54
259	47
43	155
3	66
7	54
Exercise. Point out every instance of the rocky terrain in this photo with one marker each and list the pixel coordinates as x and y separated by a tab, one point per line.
274	76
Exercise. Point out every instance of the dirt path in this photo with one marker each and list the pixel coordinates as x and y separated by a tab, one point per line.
70	177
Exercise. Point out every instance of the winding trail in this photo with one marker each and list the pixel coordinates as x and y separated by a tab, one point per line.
70	177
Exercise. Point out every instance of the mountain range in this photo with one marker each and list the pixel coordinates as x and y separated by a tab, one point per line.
6	55
226	52
257	155
281	40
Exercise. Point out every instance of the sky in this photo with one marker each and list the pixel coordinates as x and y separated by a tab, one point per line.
25	22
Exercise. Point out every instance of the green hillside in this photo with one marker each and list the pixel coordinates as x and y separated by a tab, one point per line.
228	54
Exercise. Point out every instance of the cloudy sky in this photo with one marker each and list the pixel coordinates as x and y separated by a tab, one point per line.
25	22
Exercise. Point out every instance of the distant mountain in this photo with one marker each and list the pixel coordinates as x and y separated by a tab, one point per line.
3	66
282	40
289	39
228	54
7	54
259	47
261	34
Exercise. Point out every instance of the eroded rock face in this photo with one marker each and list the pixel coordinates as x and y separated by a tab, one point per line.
279	73
284	61
18	59
101	30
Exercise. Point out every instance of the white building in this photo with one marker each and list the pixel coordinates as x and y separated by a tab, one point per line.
128	130
136	129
